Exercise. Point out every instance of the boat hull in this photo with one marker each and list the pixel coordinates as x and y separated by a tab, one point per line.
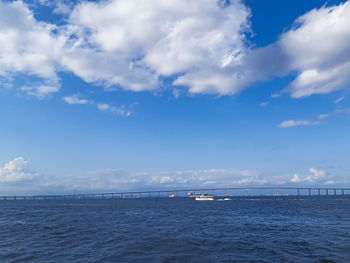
204	198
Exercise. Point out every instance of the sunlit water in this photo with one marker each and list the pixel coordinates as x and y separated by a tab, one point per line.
315	229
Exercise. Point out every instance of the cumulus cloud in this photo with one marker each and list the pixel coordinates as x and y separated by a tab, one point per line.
314	175
134	42
16	170
205	46
319	50
297	123
201	44
316	48
30	47
129	43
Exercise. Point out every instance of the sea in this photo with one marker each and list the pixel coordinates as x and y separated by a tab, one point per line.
244	229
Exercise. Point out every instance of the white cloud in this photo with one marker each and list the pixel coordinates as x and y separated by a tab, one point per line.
297	123
342	110
117	179
133	44
26	179
295	179
324	116
17	177
16	170
62	8
103	106
339	99
121	111
275	95
130	44
74	99
176	93
40	91
315	174
28	47
263	104
318	48
336	111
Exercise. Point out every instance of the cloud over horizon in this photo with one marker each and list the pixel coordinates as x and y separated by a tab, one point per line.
17	170
18	177
315	174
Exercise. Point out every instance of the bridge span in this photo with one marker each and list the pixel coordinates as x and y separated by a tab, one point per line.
218	192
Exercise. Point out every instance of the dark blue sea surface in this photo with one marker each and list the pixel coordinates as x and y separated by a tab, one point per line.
271	229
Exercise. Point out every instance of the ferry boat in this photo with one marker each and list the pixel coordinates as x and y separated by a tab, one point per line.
205	197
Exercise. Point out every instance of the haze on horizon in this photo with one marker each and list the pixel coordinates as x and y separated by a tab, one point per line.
123	95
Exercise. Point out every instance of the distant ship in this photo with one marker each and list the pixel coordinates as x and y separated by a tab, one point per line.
191	194
205	197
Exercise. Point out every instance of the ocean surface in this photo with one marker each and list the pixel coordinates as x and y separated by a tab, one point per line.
267	229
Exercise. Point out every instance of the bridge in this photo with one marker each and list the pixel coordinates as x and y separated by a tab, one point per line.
218	192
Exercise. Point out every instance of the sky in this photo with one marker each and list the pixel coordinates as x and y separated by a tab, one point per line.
120	95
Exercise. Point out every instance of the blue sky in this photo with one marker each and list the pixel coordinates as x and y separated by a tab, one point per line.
124	95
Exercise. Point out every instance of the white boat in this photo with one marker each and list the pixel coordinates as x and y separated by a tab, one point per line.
205	197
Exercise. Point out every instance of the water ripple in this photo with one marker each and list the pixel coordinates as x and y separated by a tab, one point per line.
176	230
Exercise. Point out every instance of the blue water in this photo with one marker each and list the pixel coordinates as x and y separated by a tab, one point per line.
176	230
